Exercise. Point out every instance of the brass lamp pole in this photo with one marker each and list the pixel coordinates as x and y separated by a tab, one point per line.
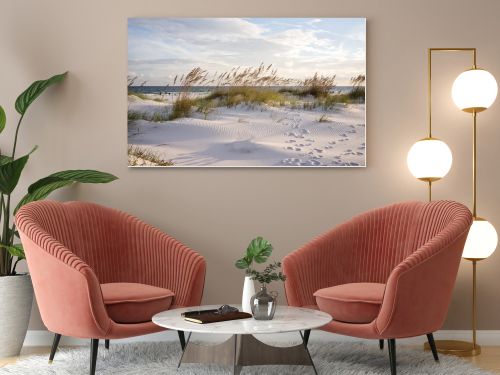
430	180
482	238
429	159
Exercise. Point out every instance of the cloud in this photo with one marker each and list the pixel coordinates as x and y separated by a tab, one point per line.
163	48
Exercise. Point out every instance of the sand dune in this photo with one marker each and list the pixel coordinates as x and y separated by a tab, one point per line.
254	136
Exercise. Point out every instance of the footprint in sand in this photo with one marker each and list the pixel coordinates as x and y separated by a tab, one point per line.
289	148
291	141
291	161
298	149
318	150
359	153
313	163
332	143
295	135
305	131
328	147
310	140
343	135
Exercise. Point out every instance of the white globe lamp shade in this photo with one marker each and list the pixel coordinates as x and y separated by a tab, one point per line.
481	241
429	159
474	90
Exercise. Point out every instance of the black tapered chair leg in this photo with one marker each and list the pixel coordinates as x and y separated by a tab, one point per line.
94	346
381	344
392	355
182	339
55	344
307	333
432	344
106	344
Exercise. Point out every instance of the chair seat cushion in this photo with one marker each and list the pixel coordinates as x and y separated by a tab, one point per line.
135	303
351	303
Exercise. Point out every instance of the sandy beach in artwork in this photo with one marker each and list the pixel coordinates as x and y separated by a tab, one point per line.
247	135
246	92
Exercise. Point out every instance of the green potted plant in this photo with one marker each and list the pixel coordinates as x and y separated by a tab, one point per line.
259	250
263	303
16	291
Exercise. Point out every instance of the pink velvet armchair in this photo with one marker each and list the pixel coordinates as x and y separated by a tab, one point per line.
99	273
385	274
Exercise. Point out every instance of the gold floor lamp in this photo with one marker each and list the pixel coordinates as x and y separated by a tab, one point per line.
430	159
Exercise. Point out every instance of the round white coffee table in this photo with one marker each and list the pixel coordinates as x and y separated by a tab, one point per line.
242	348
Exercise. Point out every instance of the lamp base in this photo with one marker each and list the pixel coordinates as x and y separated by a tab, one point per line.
456	348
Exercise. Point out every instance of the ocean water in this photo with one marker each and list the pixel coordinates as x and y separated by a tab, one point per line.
176	89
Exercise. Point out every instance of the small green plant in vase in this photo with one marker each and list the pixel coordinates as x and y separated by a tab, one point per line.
269	274
262	305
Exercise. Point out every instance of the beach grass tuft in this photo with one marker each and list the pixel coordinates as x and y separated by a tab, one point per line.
232	96
205	106
181	108
139	156
324	118
153	117
318	86
252	86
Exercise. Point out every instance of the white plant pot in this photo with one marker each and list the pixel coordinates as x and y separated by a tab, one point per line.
16	298
248	292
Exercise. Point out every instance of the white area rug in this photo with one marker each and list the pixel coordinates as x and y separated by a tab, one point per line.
161	358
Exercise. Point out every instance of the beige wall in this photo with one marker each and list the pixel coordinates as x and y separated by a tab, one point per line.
82	124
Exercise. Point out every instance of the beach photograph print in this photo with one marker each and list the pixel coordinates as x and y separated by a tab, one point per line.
246	92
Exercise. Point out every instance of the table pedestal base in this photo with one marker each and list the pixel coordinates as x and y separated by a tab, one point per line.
246	350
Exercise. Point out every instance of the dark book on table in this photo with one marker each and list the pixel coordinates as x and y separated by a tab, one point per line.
212	316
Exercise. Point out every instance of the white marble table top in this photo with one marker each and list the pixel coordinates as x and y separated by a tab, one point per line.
286	319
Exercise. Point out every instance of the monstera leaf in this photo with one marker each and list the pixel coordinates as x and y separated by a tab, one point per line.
31	93
258	250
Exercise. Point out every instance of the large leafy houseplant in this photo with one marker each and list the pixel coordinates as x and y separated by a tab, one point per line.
11	168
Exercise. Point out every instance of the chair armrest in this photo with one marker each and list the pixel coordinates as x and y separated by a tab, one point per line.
321	263
419	289
165	262
66	289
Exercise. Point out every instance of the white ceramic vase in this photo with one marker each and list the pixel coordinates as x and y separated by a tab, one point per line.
248	292
16	298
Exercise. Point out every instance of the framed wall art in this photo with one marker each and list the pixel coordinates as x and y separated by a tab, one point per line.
246	92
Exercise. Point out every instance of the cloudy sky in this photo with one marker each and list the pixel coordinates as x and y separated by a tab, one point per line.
161	48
